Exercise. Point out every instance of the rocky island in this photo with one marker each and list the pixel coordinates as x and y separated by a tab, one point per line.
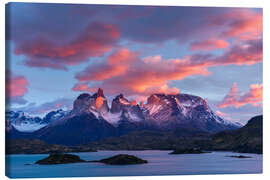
188	151
60	159
240	156
122	159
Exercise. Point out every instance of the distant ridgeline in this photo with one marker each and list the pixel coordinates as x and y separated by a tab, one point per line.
164	122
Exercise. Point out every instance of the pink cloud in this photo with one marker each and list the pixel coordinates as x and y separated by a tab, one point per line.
117	64
16	88
95	40
139	76
254	96
239	23
233	98
124	71
247	53
208	45
83	87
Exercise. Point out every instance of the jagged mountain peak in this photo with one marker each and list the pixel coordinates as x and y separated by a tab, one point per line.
84	96
85	103
165	111
120	102
120	96
99	93
82	103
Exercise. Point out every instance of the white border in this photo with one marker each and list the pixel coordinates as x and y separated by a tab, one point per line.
217	3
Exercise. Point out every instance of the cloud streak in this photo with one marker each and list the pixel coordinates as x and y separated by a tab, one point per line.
209	45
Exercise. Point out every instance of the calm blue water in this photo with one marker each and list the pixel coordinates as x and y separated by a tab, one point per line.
159	163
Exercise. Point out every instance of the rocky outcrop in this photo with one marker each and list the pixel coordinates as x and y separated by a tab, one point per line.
188	151
122	159
60	159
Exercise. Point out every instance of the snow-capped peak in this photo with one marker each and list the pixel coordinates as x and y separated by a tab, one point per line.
24	122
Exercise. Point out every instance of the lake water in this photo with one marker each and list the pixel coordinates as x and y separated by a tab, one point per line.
159	163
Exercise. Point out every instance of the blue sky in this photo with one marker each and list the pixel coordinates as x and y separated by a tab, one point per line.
59	51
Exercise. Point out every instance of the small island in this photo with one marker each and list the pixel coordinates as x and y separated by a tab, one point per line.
60	159
240	156
122	159
188	151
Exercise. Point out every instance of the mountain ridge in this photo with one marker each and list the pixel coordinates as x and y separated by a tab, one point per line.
91	119
247	139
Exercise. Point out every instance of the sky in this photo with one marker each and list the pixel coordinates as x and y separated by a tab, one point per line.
57	51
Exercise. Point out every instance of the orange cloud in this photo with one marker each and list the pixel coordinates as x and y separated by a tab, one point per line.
208	45
117	64
83	87
141	76
125	72
253	97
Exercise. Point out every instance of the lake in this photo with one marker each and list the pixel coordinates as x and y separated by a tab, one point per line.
159	163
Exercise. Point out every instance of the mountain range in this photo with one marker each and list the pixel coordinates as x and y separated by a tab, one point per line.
247	139
91	119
